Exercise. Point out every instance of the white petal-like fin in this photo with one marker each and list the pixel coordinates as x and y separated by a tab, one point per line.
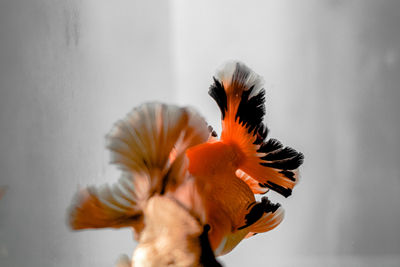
149	146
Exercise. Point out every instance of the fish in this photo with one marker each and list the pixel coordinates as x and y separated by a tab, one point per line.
188	195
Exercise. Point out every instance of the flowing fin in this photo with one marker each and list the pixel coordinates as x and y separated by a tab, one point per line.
258	217
254	185
149	147
108	206
152	140
267	222
239	94
262	217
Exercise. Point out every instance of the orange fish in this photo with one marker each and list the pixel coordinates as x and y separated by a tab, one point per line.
188	195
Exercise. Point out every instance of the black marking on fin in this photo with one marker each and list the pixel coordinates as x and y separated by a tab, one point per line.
207	257
261	134
251	204
279	189
288	174
217	92
278	157
251	110
271	145
268	205
286	164
281	154
254	215
258	210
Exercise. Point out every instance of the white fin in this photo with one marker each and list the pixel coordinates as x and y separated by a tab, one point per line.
149	145
237	70
145	138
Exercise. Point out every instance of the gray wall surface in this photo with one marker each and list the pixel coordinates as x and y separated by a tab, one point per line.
70	69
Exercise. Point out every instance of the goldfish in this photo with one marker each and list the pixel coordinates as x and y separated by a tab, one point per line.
187	194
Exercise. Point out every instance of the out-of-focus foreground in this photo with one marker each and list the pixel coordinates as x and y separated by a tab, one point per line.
69	69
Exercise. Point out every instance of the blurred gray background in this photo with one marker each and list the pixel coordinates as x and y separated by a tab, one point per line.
70	69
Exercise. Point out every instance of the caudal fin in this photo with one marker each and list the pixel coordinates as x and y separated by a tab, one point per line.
263	217
239	94
149	146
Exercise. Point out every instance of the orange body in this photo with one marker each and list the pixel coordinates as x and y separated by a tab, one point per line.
224	195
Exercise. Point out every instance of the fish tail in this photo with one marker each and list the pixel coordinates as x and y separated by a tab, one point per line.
267	164
267	218
152	140
149	146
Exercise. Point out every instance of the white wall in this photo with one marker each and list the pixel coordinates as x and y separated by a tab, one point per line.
70	69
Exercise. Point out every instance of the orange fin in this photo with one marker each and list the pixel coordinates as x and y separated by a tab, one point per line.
262	217
258	217
254	185
106	206
239	94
